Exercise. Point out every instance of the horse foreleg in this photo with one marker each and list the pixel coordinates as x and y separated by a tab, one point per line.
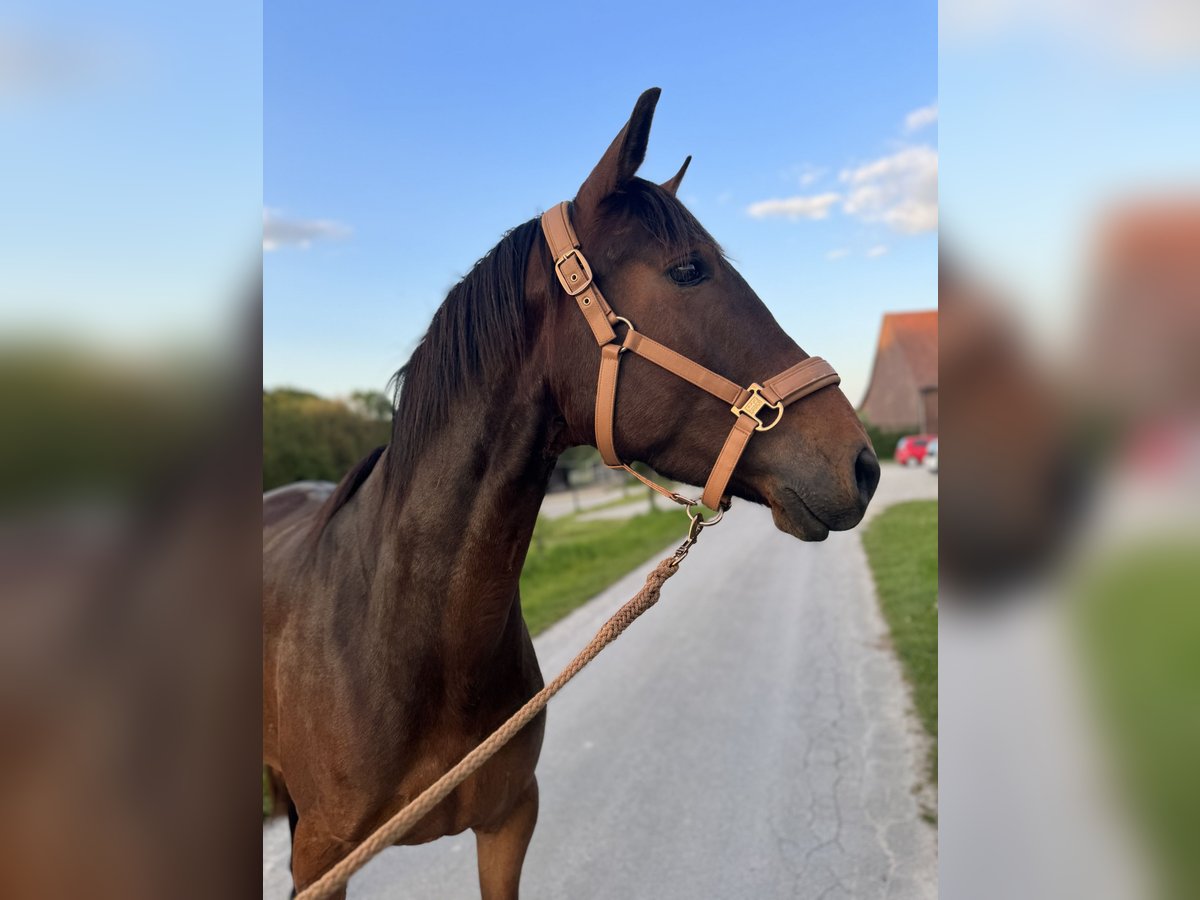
293	821
313	854
501	851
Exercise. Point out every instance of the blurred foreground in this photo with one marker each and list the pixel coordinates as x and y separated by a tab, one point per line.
129	572
1070	626
1070	351
129	462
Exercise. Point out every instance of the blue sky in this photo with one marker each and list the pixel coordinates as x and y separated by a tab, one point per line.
132	160
401	142
1054	116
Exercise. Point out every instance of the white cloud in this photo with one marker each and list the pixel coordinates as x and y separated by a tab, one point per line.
899	190
920	118
808	174
281	231
839	253
1147	32
877	250
50	63
804	174
816	206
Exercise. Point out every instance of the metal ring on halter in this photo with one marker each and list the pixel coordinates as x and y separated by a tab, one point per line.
695	525
628	324
704	523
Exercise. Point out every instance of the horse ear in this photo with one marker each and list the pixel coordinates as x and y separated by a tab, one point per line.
623	157
672	185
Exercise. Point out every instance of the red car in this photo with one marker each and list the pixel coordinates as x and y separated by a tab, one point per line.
910	450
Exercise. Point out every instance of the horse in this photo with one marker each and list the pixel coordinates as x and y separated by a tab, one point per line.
393	640
1018	452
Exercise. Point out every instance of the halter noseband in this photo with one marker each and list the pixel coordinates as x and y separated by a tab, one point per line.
746	404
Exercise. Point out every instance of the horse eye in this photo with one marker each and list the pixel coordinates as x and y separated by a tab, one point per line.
686	273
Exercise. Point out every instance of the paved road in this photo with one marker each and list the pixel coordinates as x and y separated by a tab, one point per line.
734	743
564	503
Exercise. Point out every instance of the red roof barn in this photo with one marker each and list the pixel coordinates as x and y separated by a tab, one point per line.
903	392
1143	327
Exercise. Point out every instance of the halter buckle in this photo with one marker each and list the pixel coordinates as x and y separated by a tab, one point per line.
754	404
573	271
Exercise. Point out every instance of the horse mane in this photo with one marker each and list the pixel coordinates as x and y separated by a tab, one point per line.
667	220
346	488
476	334
480	331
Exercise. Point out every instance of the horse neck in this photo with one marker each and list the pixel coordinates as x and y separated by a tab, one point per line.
456	528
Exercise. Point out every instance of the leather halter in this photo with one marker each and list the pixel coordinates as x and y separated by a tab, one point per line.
746	404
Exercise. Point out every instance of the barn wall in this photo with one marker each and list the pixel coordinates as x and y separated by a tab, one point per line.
892	398
930	398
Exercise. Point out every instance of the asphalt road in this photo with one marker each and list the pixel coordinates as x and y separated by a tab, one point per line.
750	737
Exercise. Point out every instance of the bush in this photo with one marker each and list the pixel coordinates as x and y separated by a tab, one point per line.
884	442
306	437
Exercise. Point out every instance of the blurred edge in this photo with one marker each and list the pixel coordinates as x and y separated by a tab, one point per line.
129	629
1069	671
130	396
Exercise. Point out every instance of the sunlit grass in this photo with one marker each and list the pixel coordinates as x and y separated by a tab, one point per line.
902	546
571	561
1140	628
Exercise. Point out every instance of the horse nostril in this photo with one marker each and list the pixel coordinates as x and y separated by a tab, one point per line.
866	475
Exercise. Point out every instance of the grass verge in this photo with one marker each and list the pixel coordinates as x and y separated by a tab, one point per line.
570	561
902	547
1138	619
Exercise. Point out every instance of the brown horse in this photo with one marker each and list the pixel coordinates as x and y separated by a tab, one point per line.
1017	453
393	635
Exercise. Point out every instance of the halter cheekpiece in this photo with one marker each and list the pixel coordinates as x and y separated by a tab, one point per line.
758	407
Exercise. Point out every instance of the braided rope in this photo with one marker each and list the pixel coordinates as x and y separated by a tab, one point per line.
403	821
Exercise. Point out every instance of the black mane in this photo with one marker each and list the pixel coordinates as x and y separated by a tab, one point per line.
479	331
658	212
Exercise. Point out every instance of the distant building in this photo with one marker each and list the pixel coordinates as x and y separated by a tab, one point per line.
903	392
1142	331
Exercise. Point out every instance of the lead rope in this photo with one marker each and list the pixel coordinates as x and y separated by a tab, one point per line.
403	821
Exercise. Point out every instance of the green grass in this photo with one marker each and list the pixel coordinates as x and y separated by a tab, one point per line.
902	547
1139	619
571	561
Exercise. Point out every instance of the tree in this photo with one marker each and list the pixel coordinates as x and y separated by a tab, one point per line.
372	405
306	437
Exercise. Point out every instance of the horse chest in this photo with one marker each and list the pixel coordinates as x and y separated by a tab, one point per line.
421	731
485	798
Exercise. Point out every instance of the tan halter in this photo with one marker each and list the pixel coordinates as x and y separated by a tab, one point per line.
746	404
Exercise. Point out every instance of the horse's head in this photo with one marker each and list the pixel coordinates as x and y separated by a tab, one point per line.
660	269
1014	503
